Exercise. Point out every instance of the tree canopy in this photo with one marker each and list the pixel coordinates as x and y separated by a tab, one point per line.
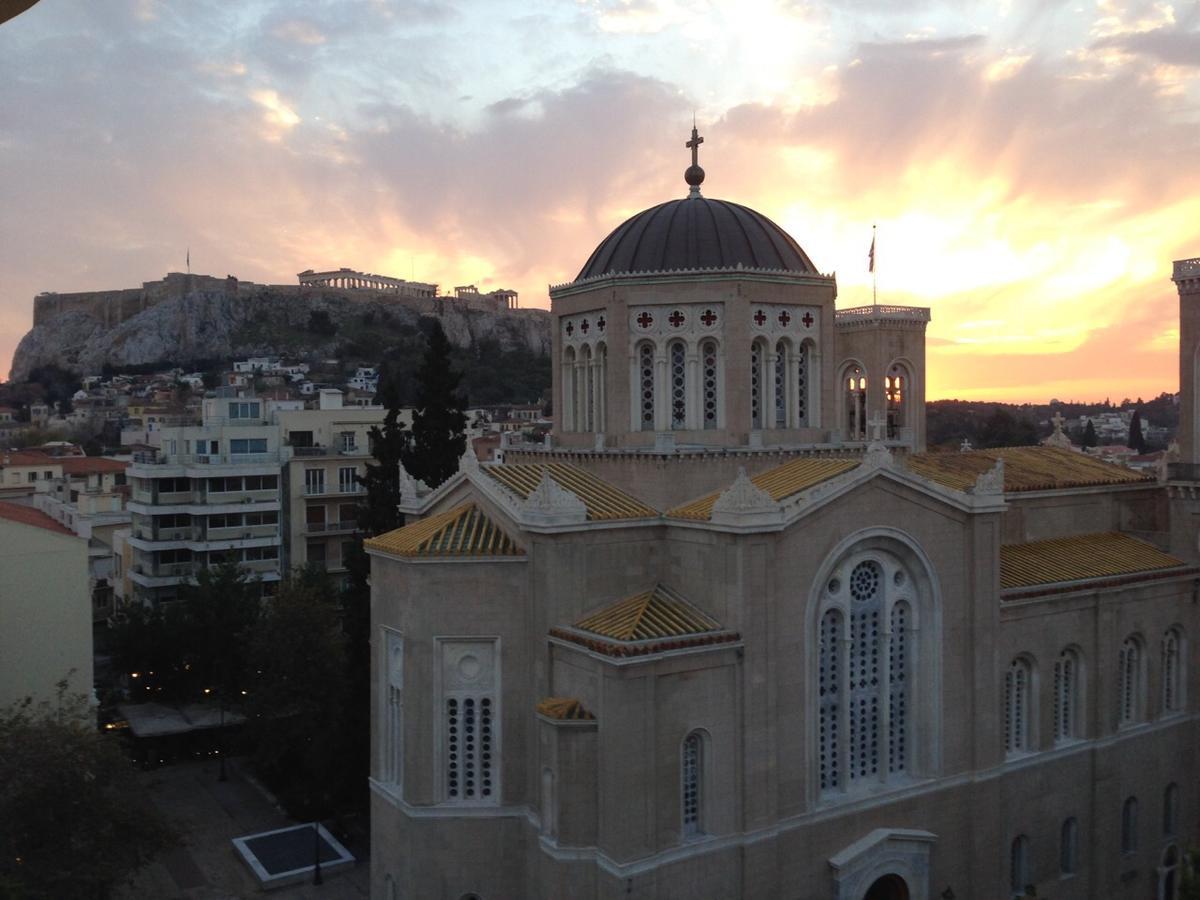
438	421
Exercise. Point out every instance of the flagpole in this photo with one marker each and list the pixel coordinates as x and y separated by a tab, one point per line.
874	274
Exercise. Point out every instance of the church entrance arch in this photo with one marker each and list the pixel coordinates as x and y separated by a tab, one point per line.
889	887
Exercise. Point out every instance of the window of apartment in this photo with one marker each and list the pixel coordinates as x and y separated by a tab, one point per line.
347	515
469	737
314	481
346	482
347	548
314	517
248	445
254	554
224	485
244	410
33	476
262	518
228	520
262	482
316	553
346	441
174	486
300	438
170	557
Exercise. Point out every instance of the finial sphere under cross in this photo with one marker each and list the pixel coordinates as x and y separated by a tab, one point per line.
694	175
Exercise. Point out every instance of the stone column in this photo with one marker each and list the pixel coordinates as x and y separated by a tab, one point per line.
767	389
694	417
662	389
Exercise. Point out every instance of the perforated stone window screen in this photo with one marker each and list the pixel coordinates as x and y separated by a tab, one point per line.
470	724
646	376
756	379
1016	707
693	748
802	386
708	352
1172	666
1066	687
781	380
678	385
1129	681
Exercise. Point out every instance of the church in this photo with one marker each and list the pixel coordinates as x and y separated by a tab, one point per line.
732	632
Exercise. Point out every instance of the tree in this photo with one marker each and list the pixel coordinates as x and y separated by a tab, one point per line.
1003	429
438	422
1089	435
74	819
1136	441
299	705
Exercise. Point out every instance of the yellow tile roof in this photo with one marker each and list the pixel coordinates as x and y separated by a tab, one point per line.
657	613
780	482
603	501
563	708
1077	558
464	530
1025	469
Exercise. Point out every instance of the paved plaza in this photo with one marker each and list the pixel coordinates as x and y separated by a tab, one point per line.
209	814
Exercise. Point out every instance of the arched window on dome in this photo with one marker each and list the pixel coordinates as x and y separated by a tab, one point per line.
854	415
569	389
781	384
1173	680
710	385
803	378
645	386
758	352
677	363
867	674
896	386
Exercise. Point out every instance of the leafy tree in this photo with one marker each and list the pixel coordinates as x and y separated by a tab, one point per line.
154	643
1004	429
74	819
299	705
438	422
1089	436
1136	441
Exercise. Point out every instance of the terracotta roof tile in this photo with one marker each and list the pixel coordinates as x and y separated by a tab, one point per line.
27	515
603	501
1079	558
780	482
462	531
1025	469
563	708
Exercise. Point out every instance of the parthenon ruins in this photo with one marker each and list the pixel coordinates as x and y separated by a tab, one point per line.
348	278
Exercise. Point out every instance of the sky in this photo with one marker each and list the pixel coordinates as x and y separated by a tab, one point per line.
1032	166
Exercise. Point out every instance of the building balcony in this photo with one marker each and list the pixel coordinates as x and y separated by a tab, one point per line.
348	525
340	489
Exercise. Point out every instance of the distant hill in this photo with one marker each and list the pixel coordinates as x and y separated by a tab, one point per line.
189	318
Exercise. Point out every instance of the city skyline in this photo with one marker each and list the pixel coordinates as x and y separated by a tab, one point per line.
1031	167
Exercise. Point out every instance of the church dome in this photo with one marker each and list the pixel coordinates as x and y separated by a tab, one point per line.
696	233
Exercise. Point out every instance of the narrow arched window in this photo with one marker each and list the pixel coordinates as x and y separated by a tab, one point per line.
781	385
865	612
1168	874
829	678
1172	672
712	399
802	384
1018	865
646	385
756	384
1129	811
1066	696
587	389
855	403
570	390
895	388
1129	681
1171	810
898	687
1017	717
1068	847
677	354
690	771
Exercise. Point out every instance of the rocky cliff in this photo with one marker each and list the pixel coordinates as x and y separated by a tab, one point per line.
185	319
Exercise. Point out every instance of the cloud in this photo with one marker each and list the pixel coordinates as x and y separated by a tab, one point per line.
1173	46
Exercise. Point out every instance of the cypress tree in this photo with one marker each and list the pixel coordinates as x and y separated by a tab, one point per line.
1089	435
438	421
1136	440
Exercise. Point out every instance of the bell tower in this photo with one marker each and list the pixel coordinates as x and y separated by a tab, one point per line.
1186	276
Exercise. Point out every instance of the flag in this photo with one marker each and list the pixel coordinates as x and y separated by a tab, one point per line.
189	255
871	255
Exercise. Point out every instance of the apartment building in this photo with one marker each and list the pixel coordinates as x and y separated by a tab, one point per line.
330	448
211	493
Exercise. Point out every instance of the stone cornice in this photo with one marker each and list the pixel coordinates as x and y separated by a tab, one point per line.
776	276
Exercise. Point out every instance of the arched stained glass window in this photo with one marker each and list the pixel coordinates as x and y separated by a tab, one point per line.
646	384
1172	671
678	360
781	385
708	355
756	384
1066	696
854	386
1016	706
1129	681
802	358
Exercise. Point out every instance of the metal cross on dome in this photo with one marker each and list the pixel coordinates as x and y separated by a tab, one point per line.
645	320
676	318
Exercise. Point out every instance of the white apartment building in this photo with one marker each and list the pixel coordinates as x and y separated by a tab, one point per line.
211	493
329	449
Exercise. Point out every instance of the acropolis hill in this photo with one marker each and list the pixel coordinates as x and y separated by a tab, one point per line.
185	318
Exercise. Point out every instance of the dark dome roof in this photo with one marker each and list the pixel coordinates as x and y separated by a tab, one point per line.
696	233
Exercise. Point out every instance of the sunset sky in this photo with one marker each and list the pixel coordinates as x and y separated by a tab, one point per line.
1033	166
